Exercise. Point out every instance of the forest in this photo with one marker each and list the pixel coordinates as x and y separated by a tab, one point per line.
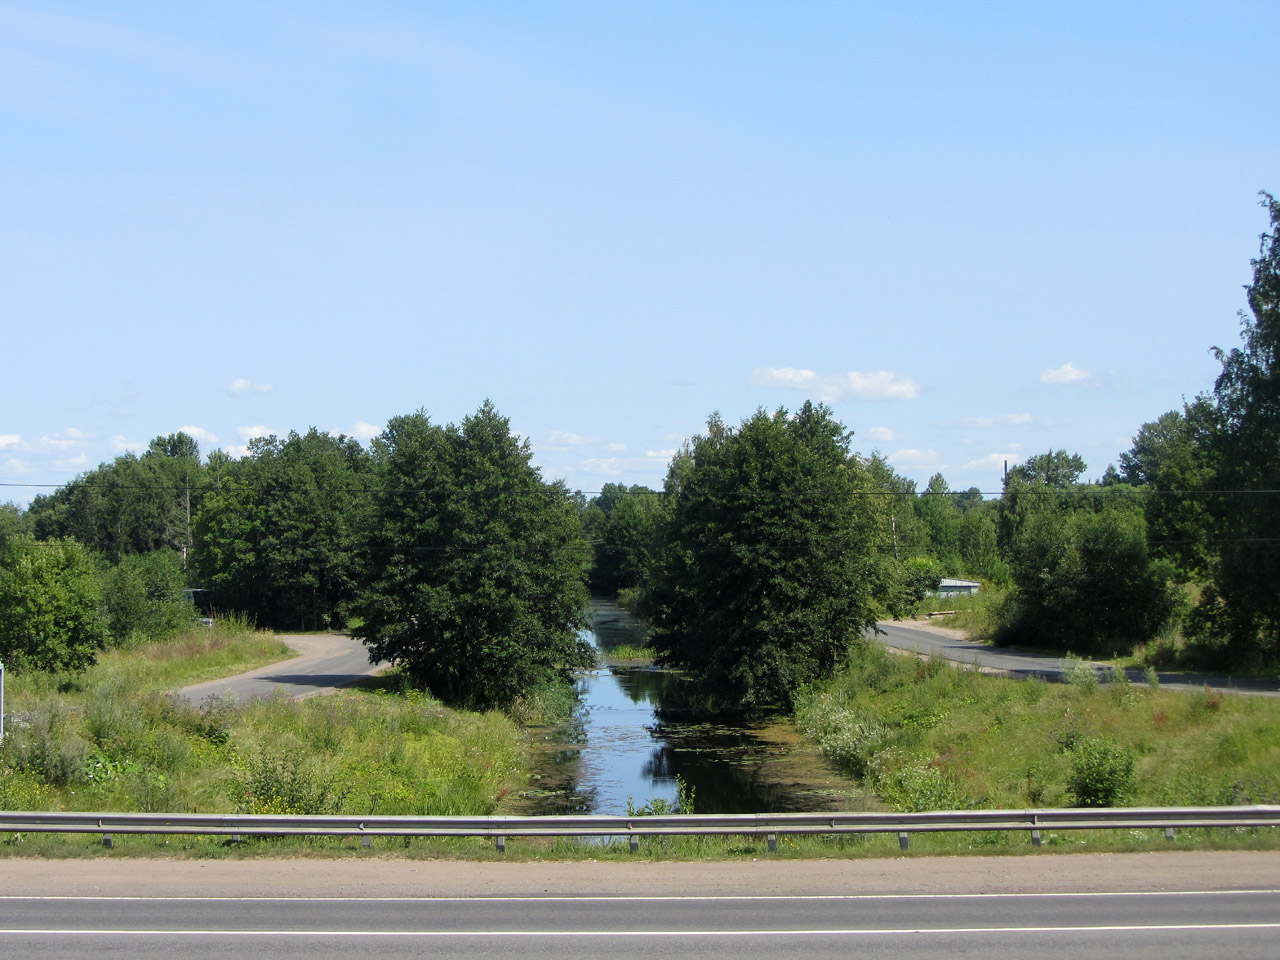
771	548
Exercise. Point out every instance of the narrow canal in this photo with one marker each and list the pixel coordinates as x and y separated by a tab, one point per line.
632	736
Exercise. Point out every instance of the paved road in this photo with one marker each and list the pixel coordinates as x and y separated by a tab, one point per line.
1024	664
1147	925
324	663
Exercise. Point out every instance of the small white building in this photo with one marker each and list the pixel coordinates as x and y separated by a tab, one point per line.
953	587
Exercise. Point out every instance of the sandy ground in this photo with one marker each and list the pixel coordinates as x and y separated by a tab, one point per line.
930	625
375	876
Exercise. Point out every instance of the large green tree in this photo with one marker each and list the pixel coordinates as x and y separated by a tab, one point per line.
476	578
1084	580
280	537
1172	461
769	570
1243	604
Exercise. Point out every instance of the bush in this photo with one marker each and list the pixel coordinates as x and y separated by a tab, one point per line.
50	606
143	597
1101	772
281	783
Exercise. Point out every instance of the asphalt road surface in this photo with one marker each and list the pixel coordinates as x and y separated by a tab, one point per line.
325	662
1147	925
1024	664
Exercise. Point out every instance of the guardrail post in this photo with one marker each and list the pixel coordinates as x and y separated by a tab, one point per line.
366	841
773	843
106	841
635	842
1168	833
1035	838
235	838
904	840
502	843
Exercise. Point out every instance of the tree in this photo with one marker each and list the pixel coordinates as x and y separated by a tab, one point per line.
1037	485
1084	579
280	538
51	615
142	595
624	522
942	520
131	505
768	570
476	579
1243	605
14	521
1172	460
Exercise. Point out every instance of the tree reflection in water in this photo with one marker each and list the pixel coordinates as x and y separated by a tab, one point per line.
635	732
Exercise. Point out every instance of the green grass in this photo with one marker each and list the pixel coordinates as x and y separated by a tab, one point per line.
976	614
114	739
628	652
931	735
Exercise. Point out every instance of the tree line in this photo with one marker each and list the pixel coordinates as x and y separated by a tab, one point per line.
772	546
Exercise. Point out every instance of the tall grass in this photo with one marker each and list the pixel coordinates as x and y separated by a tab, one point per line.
929	734
977	614
114	738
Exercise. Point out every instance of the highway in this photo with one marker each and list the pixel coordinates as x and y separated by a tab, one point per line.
1151	906
1020	663
1147	925
325	662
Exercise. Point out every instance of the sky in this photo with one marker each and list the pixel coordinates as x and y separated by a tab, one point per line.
977	231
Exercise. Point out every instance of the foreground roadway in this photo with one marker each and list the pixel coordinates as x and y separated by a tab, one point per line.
1136	906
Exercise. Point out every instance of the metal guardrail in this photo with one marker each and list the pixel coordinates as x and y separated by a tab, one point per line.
770	825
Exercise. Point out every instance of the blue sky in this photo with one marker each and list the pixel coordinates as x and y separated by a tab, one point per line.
978	231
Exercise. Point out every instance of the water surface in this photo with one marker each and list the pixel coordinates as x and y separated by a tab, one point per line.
632	736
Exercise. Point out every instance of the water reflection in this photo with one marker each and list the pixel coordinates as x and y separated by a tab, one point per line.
634	733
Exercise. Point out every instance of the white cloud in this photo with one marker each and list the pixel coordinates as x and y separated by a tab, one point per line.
68	438
615	447
199	433
120	444
914	458
249	433
1009	419
9	440
14	465
879	385
236	450
663	455
242	386
883	434
79	460
363	430
565	439
1067	373
609	466
996	460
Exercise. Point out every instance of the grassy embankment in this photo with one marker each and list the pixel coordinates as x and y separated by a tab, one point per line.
922	735
111	738
930	735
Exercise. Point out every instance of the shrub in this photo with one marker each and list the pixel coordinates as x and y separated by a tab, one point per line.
50	606
281	783
1101	772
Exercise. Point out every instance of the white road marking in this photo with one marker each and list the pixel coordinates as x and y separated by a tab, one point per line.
580	934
